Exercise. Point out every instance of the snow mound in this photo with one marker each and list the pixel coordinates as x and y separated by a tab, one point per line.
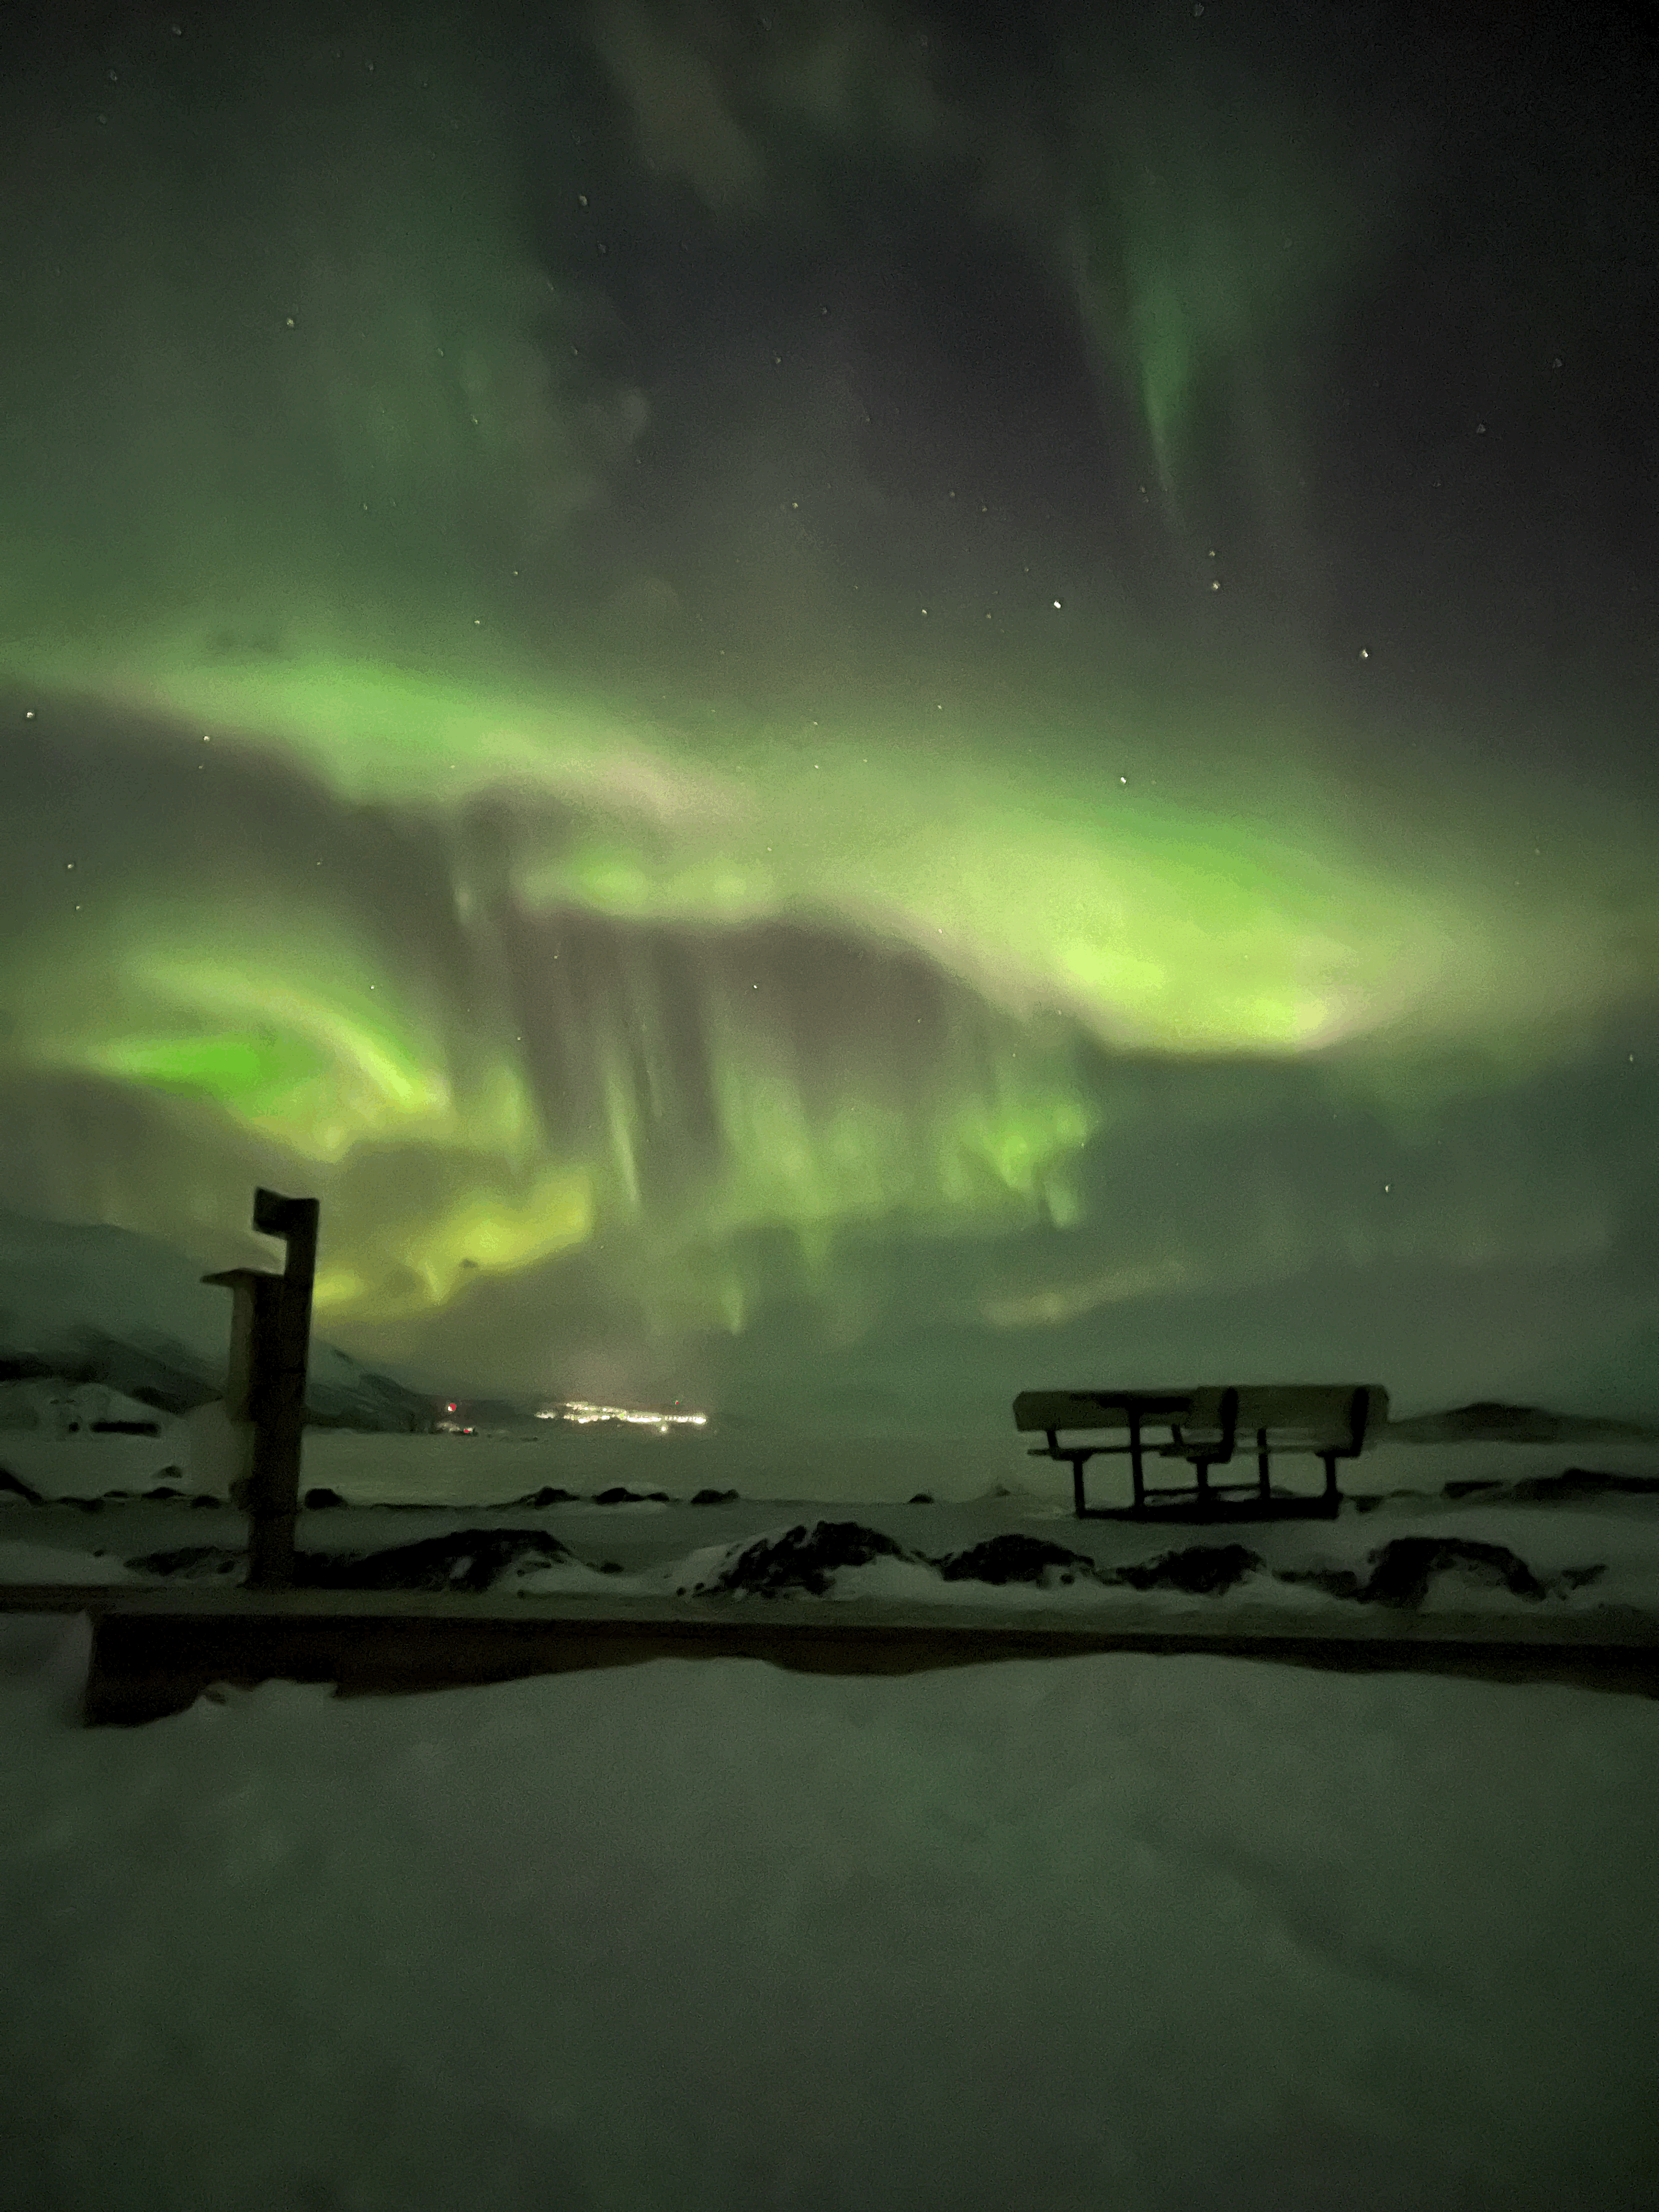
51	1562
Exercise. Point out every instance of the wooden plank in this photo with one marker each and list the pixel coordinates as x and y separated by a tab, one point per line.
57	1597
155	1651
215	1600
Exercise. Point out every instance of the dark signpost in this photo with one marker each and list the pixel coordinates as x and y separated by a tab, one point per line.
270	1340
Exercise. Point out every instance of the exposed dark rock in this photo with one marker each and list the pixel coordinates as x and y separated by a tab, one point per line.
321	1500
713	1496
1202	1569
467	1559
1577	1577
205	1498
1402	1571
622	1496
1015	1558
804	1558
1574	1482
193	1562
166	1489
538	1499
922	1497
1582	1482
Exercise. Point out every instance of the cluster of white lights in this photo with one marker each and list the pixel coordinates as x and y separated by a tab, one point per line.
581	1412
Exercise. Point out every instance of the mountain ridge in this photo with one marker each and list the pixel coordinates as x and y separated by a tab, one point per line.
1489	1420
90	1302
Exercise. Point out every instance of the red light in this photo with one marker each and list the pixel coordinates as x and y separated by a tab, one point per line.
449	1409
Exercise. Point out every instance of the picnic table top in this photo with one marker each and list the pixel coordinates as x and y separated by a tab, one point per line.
1259	1404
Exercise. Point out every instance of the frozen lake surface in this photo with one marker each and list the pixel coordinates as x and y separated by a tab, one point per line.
1524	1529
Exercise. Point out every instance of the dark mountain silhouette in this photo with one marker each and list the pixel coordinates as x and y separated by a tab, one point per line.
1487	1421
86	1302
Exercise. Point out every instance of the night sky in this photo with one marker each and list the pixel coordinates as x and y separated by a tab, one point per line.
836	709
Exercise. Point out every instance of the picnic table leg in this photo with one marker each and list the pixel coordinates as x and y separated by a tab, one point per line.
1134	1459
1329	1458
1261	1463
1078	1459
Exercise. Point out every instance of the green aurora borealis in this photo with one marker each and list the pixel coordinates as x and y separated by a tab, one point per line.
817	711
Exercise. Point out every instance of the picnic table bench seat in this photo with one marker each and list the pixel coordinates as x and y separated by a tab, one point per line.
1206	1425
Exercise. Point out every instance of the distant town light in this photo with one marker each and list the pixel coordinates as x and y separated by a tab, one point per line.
584	1412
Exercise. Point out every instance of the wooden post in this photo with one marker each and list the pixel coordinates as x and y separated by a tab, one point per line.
271	1340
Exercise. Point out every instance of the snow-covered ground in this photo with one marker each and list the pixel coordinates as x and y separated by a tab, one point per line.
707	1936
1039	1935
